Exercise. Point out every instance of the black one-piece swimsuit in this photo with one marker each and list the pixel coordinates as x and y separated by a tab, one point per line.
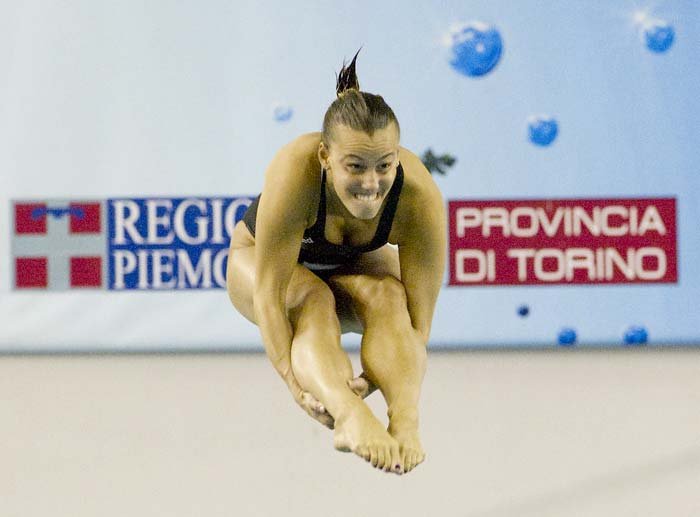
316	252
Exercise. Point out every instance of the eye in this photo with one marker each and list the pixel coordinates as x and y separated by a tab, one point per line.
355	166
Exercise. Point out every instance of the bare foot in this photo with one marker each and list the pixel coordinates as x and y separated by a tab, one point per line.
403	426
358	430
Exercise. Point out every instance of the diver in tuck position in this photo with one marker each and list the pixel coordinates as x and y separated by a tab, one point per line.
315	256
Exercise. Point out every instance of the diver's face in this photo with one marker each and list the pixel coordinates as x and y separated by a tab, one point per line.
361	168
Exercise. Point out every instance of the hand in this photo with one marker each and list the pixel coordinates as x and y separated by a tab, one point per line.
313	407
362	386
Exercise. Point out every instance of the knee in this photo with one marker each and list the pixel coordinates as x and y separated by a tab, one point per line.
386	293
231	284
239	283
320	297
315	309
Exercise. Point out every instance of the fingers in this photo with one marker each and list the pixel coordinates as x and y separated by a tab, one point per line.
316	406
362	386
316	410
370	385
359	386
309	403
320	414
326	420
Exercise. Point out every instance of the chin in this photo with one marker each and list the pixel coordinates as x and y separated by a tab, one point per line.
365	216
366	212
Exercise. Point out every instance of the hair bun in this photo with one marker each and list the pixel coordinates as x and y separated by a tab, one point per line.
347	78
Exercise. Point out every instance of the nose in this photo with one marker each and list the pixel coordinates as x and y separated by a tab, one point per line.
370	182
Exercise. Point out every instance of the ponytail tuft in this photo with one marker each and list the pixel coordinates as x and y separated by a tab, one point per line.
356	109
347	77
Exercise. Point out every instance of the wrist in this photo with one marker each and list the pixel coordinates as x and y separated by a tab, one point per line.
292	384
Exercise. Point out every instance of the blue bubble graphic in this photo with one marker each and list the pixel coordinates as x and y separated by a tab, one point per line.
567	337
658	35
283	113
475	47
542	129
636	335
523	311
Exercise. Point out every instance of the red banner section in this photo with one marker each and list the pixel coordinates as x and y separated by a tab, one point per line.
563	241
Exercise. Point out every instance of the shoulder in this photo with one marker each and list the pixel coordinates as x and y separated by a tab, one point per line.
303	148
419	187
296	161
421	203
292	179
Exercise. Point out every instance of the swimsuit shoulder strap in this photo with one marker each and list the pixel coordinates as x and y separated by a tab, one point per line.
387	218
318	229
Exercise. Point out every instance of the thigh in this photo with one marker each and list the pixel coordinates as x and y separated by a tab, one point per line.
240	283
380	262
350	284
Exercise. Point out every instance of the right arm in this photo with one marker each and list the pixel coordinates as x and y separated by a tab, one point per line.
283	214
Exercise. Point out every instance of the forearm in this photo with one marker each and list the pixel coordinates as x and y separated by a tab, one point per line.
277	335
422	280
421	301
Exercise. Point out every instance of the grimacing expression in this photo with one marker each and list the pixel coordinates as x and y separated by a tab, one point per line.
361	168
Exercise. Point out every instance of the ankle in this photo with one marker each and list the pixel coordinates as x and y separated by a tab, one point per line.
403	414
344	408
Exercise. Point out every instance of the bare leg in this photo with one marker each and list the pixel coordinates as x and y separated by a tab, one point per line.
319	363
323	368
392	354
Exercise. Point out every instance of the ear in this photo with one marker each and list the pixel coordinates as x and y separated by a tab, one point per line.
323	155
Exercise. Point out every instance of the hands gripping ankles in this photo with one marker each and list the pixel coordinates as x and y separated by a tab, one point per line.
394	450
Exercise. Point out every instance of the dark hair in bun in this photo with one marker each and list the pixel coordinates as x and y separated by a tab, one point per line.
356	109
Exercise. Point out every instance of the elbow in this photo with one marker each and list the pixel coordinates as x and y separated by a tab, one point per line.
265	301
261	301
423	333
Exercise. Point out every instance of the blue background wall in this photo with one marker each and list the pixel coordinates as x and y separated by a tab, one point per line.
102	100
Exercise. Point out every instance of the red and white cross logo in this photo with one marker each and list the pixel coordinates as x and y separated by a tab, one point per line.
59	244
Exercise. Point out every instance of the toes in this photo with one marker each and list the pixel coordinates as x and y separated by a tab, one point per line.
396	465
408	459
374	456
409	463
387	458
381	457
413	459
390	460
363	452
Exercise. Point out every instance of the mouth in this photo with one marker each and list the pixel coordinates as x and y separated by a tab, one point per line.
367	197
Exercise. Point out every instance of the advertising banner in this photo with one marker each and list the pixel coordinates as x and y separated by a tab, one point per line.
124	244
557	241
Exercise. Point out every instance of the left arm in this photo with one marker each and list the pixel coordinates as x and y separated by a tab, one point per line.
422	253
